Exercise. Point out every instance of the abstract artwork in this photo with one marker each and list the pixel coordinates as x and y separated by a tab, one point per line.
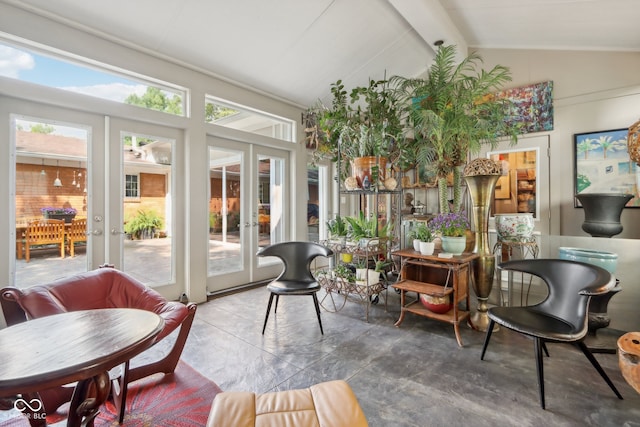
531	106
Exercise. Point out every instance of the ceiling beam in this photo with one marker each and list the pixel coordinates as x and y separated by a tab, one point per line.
431	21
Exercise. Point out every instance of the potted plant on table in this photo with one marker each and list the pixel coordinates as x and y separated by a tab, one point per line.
423	239
452	229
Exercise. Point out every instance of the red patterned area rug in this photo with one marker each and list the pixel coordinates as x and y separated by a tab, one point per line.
183	398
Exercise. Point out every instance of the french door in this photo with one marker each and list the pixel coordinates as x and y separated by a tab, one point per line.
105	172
248	209
55	165
141	202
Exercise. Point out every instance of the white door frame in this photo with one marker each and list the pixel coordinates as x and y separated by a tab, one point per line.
253	269
539	143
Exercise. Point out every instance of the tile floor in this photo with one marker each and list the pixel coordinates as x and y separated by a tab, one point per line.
412	375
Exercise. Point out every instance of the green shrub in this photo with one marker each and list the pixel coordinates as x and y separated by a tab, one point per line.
143	225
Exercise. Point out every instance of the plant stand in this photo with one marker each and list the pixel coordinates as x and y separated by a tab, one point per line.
338	289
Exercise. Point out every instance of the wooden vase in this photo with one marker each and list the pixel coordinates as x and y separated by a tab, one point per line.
629	358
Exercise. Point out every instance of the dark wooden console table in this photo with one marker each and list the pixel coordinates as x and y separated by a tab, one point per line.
76	346
428	274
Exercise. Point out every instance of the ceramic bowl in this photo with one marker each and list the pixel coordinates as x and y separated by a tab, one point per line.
604	259
436	304
514	227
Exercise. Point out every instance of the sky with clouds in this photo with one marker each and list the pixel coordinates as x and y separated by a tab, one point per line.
27	66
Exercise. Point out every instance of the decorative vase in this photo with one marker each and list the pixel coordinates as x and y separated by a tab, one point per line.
427	248
602	212
514	227
416	245
481	189
598	307
369	169
367	276
629	358
604	259
454	245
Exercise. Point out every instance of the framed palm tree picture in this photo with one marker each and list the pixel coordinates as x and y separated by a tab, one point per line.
602	165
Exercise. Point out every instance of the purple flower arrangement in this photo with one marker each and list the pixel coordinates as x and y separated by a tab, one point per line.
450	225
58	211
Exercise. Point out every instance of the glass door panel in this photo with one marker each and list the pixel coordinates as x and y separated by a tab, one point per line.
51	199
270	181
225	206
247	200
142	204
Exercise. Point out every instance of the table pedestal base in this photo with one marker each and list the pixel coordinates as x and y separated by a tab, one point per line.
87	398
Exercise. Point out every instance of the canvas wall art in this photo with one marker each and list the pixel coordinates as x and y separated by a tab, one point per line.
602	164
532	106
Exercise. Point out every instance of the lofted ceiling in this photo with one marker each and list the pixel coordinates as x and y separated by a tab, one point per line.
294	49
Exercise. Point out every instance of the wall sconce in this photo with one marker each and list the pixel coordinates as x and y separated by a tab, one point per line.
42	172
57	182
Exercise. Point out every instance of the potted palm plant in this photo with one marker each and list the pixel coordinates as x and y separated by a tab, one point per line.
452	113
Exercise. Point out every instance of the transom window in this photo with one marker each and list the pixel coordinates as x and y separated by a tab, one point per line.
228	114
99	80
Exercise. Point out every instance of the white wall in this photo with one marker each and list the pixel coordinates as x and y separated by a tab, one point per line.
592	91
17	24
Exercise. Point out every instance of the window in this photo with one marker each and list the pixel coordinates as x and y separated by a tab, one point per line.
131	187
242	118
91	79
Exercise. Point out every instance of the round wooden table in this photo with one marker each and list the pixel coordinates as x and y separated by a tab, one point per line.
64	348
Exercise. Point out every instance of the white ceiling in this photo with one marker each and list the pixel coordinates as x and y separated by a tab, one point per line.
294	49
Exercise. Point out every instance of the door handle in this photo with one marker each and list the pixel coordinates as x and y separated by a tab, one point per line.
116	232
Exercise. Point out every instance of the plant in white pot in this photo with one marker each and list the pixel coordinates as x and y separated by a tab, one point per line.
422	233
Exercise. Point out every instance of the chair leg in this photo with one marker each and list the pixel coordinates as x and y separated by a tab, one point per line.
596	365
537	348
544	347
168	363
487	337
266	317
315	302
275	309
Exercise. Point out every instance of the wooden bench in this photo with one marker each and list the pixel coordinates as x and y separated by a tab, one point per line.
76	233
44	232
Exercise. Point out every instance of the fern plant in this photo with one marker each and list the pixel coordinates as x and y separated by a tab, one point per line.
144	224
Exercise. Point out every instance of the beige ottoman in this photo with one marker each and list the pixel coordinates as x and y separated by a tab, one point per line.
328	404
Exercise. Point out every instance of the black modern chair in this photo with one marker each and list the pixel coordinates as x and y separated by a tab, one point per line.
563	315
296	277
